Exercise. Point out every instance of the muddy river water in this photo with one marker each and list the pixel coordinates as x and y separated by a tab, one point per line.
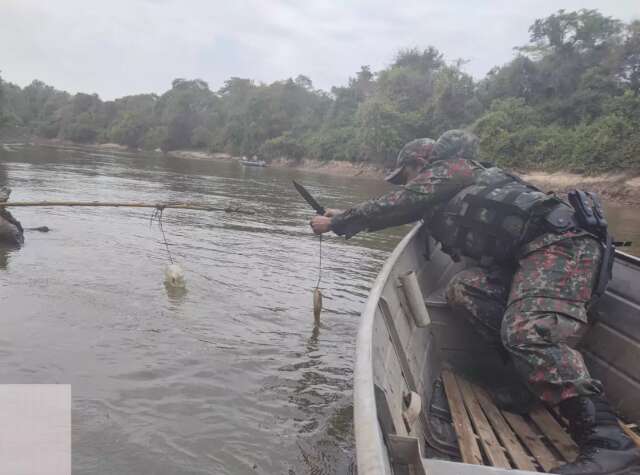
230	376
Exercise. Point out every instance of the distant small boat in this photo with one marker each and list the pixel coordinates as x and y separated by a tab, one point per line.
254	162
251	163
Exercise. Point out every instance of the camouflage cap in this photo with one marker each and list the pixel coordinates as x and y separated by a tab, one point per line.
456	143
410	153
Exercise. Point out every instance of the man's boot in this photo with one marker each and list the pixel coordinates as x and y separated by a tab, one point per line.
604	447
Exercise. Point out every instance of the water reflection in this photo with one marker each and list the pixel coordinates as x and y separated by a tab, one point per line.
4	257
176	295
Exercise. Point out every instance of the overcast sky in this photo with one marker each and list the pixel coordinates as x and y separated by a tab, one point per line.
120	47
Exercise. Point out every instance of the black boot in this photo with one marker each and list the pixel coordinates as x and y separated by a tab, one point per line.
604	447
514	398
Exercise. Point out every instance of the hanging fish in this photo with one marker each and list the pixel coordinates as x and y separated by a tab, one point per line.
320	210
317	293
174	276
317	303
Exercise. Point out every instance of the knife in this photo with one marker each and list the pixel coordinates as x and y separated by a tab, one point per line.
309	199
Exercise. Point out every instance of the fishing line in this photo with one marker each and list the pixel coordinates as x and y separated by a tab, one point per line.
173	273
157	214
319	264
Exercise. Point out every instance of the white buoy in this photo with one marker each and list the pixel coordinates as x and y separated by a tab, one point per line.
174	276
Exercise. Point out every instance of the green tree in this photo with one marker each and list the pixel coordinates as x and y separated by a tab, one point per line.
183	108
454	103
380	130
582	32
630	57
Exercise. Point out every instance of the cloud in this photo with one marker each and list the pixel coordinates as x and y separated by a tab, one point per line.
131	46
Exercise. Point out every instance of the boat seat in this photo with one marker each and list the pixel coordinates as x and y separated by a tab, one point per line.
489	436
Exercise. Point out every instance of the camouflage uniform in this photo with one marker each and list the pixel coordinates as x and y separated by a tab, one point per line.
537	309
437	183
534	303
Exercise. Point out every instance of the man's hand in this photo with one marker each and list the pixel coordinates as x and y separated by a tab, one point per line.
320	224
331	212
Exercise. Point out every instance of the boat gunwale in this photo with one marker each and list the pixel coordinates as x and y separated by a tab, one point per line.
369	440
623	256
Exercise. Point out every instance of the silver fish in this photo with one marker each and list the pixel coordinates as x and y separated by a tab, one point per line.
317	303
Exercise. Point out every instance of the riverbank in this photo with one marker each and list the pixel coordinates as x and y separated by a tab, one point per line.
613	187
331	167
622	188
200	155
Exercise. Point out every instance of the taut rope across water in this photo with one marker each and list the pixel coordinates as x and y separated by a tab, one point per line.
159	206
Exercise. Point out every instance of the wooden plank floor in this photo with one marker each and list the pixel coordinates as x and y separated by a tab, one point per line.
629	430
489	436
467	438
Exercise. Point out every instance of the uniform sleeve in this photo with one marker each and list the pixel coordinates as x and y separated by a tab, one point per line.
393	209
436	184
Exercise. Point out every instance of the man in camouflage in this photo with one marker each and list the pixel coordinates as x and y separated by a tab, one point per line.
11	231
532	285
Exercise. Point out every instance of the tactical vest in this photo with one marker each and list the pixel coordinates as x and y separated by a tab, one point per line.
489	220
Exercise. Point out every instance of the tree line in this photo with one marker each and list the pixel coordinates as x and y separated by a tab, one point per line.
570	99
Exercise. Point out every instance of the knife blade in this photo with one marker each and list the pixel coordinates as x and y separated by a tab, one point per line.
309	199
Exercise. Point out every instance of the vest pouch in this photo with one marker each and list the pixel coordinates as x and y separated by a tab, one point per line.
589	213
561	218
605	273
590	217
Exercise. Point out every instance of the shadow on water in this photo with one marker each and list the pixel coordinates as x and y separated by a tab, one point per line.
6	252
324	443
176	295
4	177
4	258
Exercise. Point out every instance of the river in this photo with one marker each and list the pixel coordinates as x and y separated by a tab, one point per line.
230	376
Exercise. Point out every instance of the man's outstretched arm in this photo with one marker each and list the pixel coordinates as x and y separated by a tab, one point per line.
392	209
434	185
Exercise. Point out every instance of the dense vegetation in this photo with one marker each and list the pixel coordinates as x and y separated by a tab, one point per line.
569	99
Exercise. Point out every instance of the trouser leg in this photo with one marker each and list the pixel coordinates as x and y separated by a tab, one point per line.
480	294
546	316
